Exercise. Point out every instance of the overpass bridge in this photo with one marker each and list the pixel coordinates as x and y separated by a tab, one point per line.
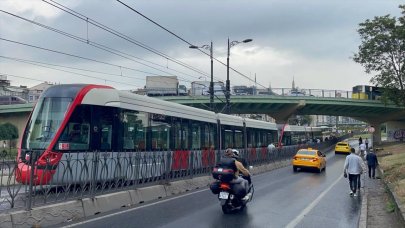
281	107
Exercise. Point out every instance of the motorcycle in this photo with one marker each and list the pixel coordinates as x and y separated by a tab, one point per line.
229	200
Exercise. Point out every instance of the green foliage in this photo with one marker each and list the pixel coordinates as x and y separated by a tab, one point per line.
382	52
8	132
390	207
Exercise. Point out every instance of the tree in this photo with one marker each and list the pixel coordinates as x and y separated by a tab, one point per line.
8	131
382	51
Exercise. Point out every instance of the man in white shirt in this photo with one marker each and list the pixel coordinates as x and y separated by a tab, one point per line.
362	149
353	169
271	147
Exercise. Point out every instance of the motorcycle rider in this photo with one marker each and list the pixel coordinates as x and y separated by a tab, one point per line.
230	161
244	163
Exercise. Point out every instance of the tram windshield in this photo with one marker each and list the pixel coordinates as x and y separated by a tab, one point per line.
45	121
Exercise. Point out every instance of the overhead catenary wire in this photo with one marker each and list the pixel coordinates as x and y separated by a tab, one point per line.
72	55
103	79
45	65
97	45
187	42
123	36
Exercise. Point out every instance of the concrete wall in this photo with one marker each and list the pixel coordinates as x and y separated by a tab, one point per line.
395	131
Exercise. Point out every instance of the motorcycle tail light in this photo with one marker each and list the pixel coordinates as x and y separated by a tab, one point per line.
225	186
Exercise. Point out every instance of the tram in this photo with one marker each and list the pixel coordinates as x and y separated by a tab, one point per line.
88	120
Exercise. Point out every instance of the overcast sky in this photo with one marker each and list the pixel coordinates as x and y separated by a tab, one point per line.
312	41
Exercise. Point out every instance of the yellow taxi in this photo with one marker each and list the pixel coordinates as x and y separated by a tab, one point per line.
343	148
309	158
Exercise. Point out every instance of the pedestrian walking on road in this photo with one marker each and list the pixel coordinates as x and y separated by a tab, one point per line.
362	149
360	140
352	169
372	163
366	142
363	168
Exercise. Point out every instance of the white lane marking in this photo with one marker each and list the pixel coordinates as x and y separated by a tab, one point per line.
133	209
301	216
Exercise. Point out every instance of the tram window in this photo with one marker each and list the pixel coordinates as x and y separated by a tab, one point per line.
106	136
228	138
251	137
196	135
76	135
134	129
209	136
106	124
238	139
270	138
181	134
160	126
262	139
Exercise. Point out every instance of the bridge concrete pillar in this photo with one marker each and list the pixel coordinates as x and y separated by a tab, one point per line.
282	116
376	133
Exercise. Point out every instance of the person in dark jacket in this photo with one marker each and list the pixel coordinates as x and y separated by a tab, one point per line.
372	163
240	185
244	163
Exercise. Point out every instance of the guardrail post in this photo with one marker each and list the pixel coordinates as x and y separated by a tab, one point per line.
191	166
93	181
32	161
168	162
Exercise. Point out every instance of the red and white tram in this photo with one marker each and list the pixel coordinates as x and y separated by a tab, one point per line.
88	120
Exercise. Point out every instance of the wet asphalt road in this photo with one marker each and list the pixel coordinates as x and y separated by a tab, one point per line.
282	199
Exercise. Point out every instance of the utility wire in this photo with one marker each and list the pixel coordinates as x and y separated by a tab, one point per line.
75	73
72	55
105	80
147	18
123	36
28	78
94	44
42	64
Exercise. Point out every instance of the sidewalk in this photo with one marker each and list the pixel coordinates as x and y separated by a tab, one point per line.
375	212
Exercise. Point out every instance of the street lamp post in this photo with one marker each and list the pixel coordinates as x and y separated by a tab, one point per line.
211	89
228	83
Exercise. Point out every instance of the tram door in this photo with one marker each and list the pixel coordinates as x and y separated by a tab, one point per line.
104	133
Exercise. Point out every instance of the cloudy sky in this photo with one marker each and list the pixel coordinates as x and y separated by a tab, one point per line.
311	41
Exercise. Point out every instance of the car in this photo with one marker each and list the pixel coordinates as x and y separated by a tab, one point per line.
342	148
309	159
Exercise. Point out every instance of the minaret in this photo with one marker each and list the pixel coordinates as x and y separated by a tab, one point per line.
293	84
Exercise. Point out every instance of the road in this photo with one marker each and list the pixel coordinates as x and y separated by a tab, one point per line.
282	199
